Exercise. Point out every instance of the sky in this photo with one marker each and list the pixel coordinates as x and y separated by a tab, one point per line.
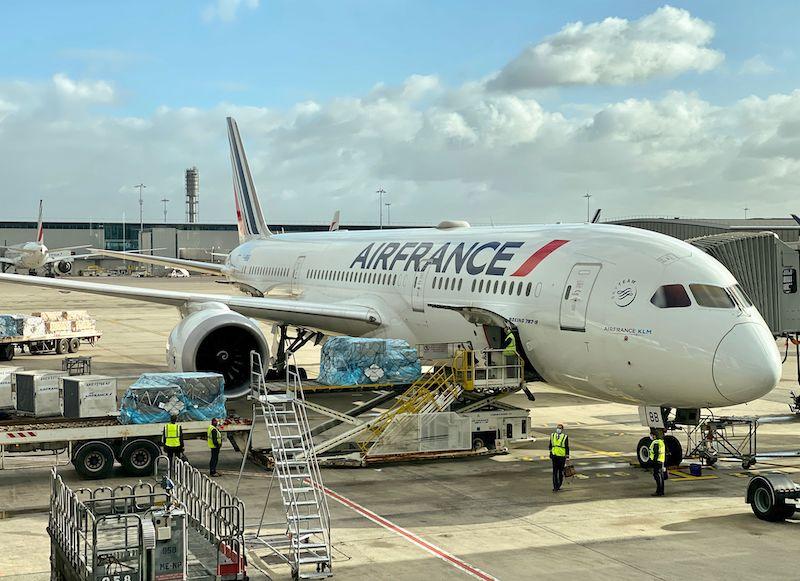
507	112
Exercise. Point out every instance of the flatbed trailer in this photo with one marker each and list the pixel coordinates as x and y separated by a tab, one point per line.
94	444
63	342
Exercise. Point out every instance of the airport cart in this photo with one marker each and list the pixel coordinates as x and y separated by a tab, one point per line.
61	343
184	526
92	445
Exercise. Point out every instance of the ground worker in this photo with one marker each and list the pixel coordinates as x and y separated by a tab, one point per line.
658	456
510	344
214	444
172	439
559	454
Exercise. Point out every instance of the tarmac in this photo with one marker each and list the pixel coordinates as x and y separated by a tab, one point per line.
490	518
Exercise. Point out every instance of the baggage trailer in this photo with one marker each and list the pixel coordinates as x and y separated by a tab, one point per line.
93	445
60	343
182	527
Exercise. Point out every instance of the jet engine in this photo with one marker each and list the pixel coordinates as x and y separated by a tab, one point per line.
211	337
63	266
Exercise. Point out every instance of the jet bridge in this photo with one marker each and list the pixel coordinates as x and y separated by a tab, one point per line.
766	267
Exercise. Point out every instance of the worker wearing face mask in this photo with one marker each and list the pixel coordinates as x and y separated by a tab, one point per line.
559	454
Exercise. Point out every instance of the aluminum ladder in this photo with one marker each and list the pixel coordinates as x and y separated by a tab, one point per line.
307	544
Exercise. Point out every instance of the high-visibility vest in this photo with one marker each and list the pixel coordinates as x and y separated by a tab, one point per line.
511	348
662	452
172	436
210	436
558	444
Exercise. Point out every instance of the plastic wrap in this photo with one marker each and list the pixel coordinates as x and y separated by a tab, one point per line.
11	325
191	395
360	361
33	327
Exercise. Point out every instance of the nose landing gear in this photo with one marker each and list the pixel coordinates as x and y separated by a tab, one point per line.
672	444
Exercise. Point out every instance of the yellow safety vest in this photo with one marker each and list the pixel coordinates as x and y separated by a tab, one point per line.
511	348
172	436
210	436
662	452
557	444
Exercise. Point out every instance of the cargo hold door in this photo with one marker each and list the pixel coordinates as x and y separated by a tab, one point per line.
575	298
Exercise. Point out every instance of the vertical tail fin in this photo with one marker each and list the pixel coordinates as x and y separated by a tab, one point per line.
335	222
248	209
39	228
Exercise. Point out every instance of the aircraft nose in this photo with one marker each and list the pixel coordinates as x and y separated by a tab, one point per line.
747	364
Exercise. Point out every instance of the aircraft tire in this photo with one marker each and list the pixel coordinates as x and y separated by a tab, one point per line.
674	451
643	452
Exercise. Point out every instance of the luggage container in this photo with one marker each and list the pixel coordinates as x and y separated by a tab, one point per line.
88	396
37	392
6	381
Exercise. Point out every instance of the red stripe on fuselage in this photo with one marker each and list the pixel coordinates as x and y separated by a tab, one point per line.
535	258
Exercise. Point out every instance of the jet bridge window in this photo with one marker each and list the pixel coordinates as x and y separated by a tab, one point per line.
712	296
671	296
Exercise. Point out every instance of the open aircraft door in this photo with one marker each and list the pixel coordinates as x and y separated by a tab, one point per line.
298	266
418	289
575	299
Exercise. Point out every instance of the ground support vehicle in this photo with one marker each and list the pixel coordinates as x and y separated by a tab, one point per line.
92	445
182	527
773	497
61	343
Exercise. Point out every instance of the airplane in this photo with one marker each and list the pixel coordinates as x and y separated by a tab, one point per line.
610	312
32	256
334	223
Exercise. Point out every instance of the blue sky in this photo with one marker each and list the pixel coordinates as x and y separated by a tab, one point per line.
145	86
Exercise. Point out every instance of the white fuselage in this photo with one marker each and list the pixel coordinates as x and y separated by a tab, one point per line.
579	295
29	256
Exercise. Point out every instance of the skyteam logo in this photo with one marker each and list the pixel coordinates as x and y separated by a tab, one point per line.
625	292
489	258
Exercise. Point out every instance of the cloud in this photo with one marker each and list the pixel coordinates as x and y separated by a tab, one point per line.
756	65
96	91
615	51
226	10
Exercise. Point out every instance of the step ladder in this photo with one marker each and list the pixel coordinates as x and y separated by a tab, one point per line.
306	544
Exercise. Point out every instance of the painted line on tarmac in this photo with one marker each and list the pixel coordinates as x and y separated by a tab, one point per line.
449	558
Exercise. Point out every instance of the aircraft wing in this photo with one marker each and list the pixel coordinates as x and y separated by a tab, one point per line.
196	265
341	318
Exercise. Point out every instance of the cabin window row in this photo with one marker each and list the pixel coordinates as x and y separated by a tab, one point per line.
380	278
268	270
502	287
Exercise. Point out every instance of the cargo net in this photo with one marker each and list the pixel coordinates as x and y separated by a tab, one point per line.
428	432
191	396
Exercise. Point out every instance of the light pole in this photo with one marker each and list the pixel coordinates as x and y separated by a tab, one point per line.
141	207
745	213
164	201
380	192
388	213
587	195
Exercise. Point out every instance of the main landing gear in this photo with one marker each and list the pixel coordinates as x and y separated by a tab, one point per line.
287	344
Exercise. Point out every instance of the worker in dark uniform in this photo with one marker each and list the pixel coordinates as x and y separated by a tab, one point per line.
172	439
214	444
559	454
658	456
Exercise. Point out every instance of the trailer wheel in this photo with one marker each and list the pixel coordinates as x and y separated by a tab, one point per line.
764	502
7	352
74	344
643	452
477	443
94	460
62	346
138	458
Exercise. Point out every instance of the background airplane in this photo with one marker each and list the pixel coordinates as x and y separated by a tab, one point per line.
32	256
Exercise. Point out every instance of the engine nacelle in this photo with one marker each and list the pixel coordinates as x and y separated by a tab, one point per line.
211	337
64	266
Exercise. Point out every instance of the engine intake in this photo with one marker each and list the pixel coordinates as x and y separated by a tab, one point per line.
64	266
214	338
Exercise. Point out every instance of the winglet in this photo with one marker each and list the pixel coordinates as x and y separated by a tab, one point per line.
796	218
596	217
335	222
248	209
40	228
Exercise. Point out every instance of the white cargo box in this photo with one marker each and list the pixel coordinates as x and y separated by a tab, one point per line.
89	396
37	392
6	381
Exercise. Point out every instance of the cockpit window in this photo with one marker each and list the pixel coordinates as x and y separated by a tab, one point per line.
741	296
671	296
715	297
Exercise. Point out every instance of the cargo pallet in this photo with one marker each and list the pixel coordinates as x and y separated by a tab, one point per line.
92	445
182	527
60	343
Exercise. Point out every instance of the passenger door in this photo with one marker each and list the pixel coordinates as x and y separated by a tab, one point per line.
298	266
418	290
575	298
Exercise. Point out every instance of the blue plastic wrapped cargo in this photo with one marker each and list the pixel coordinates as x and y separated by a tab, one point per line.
11	325
191	395
360	361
